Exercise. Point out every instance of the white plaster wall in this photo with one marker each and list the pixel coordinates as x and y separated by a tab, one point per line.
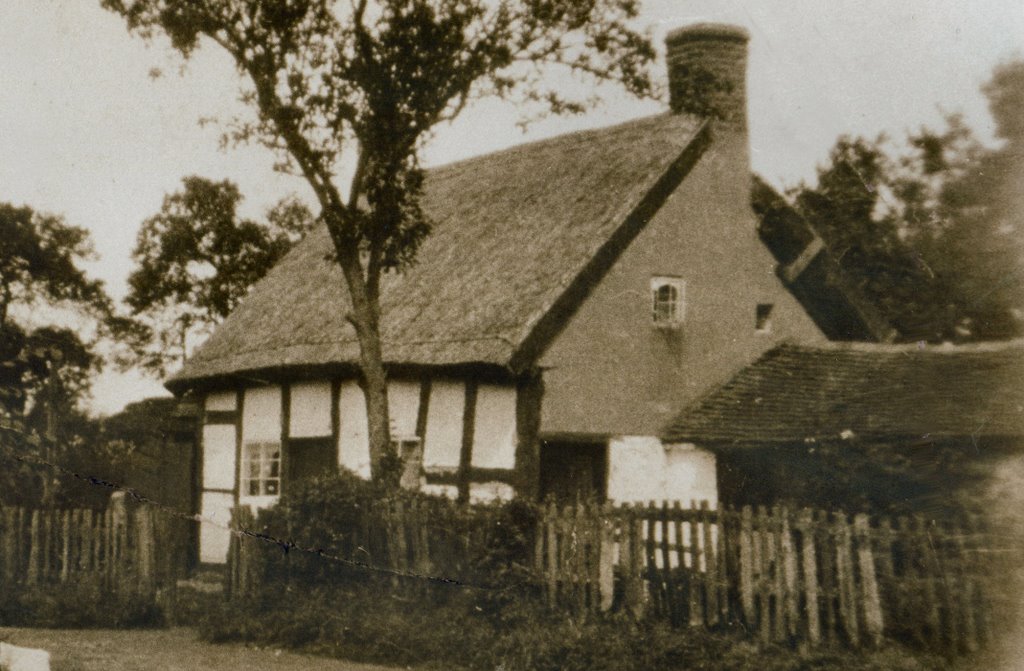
353	437
221	401
403	407
261	414
641	469
309	414
443	441
447	491
489	492
219	456
494	427
690	475
214	535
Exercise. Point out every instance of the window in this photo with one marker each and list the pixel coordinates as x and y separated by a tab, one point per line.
763	318
668	300
261	469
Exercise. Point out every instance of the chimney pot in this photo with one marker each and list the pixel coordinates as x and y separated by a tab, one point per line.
707	71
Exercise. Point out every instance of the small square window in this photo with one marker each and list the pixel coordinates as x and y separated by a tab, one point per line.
763	318
261	469
668	301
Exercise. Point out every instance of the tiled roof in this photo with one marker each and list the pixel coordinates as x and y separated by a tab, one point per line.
795	393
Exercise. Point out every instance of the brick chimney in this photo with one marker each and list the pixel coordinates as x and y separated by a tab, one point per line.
707	72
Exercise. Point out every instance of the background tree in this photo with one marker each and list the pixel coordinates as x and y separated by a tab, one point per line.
932	231
194	261
45	370
369	80
40	267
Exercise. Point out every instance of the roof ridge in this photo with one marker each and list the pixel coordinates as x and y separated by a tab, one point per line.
532	145
919	346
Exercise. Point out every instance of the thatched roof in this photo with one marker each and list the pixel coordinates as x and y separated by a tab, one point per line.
794	394
513	231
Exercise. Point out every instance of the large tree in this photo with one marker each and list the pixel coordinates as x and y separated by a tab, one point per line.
45	369
194	260
41	260
931	230
330	80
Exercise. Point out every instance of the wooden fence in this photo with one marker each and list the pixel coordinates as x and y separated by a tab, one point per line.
125	548
803	577
798	577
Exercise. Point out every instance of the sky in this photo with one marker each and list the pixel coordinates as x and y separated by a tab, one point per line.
97	126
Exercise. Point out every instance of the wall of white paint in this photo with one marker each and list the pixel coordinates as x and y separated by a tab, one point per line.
494	427
214	535
443	442
353	438
447	491
489	492
219	456
309	412
403	407
641	469
221	401
261	414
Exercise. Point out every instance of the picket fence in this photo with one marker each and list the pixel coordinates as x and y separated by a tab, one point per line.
799	577
123	548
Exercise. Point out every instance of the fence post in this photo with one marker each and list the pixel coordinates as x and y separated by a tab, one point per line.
845	579
809	566
65	533
551	522
791	606
710	566
747	566
606	569
34	550
873	622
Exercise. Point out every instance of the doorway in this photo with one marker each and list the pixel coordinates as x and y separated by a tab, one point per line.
573	471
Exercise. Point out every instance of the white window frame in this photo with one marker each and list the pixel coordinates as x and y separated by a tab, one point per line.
668	313
261	465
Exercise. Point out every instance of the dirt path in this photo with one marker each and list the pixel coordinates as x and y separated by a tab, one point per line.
162	650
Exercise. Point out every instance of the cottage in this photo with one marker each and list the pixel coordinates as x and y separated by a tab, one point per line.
888	428
573	292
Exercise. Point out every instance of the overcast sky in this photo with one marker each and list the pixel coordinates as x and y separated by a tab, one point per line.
86	131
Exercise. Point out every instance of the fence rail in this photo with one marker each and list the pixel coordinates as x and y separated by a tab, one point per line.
803	577
126	548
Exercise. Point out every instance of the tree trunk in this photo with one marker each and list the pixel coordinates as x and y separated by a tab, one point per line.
383	462
365	317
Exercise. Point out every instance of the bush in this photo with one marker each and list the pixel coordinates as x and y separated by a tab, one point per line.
77	605
371	624
336	530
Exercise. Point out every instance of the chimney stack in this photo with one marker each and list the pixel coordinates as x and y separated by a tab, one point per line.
707	72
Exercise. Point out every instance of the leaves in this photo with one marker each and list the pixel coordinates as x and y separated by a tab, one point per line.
932	232
194	261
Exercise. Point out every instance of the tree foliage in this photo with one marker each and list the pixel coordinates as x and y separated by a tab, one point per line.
932	231
45	369
40	266
194	260
368	81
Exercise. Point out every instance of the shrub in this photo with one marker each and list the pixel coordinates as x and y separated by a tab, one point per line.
79	604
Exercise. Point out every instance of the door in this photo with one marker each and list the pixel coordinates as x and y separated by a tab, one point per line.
574	471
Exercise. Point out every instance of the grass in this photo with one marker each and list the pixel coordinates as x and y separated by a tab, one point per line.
175	649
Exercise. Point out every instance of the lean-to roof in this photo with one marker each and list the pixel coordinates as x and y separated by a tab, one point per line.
795	393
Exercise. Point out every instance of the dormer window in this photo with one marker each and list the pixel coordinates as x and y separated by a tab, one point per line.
668	301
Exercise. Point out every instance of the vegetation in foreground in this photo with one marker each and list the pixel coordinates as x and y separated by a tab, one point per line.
369	624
